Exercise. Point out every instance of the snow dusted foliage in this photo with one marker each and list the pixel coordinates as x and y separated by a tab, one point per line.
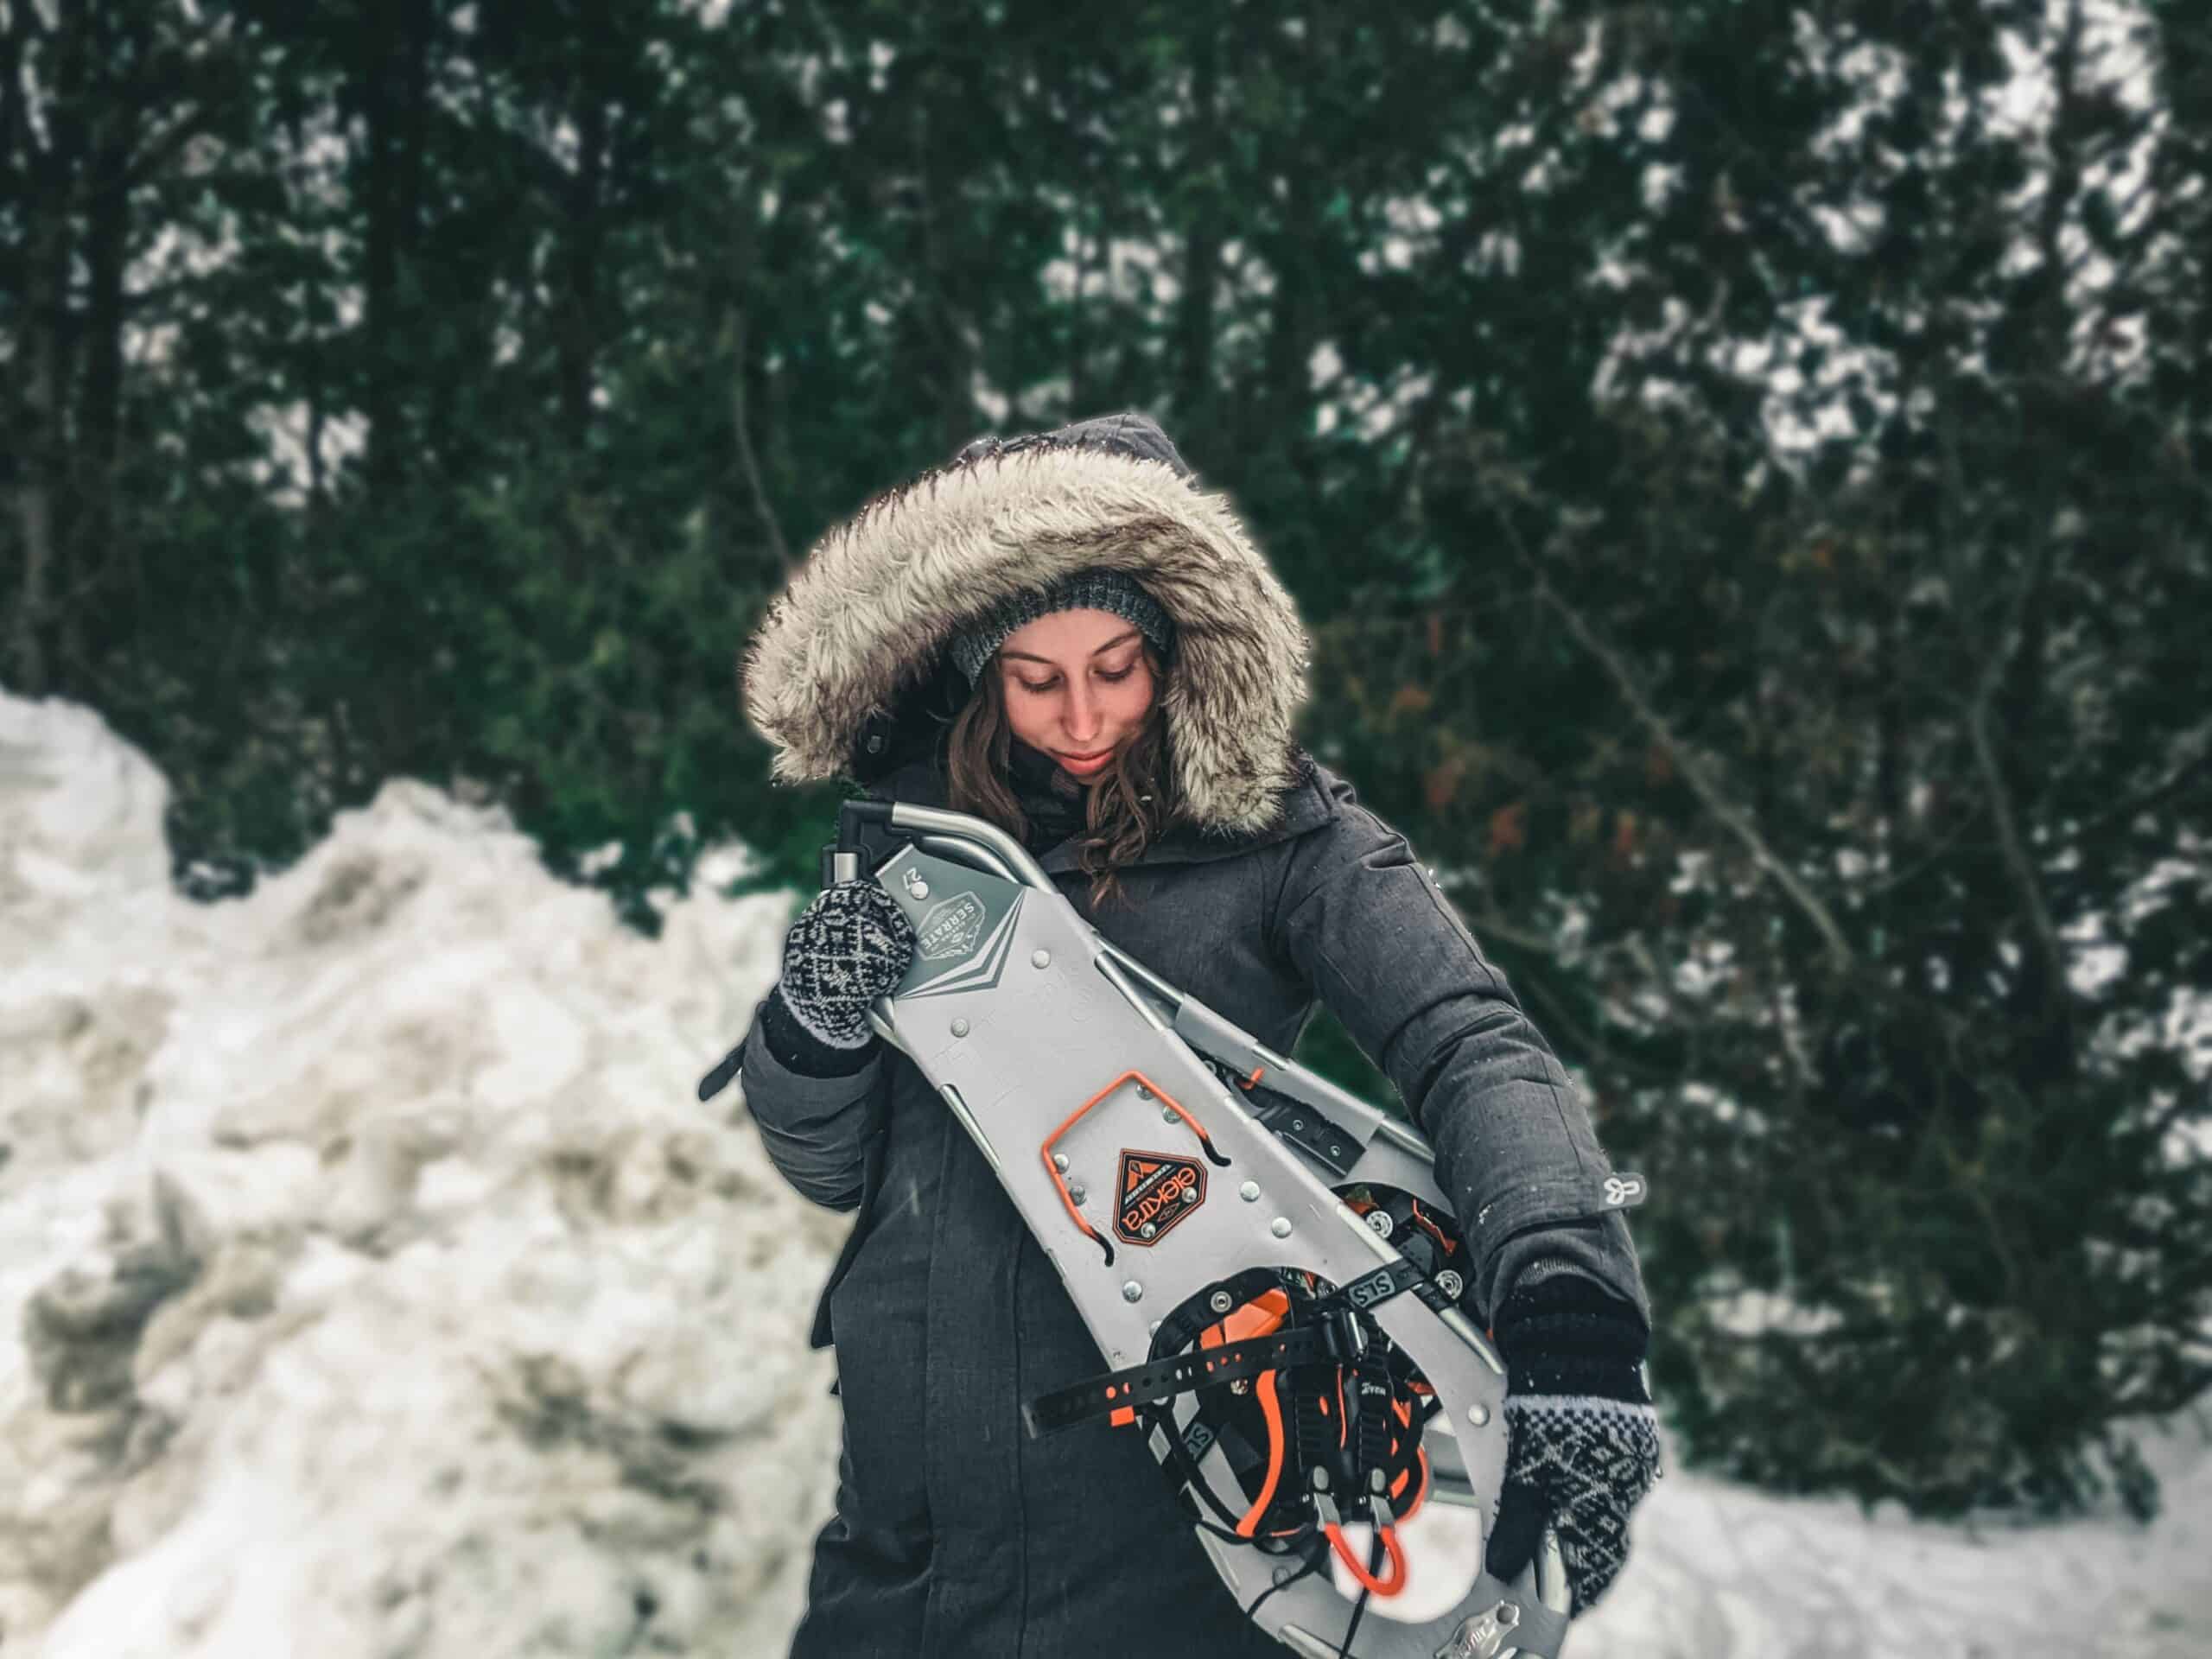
371	1280
372	1283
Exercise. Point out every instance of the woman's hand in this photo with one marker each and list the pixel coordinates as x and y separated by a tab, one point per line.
1582	1440
849	946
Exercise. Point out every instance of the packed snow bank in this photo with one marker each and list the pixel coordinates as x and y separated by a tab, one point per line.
372	1279
372	1282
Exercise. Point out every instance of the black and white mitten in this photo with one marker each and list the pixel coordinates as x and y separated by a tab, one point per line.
850	945
1582	1440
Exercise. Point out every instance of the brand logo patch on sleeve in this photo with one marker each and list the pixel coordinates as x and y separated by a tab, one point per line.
1623	1190
1156	1191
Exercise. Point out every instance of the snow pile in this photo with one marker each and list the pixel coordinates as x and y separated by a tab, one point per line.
371	1280
372	1283
1715	1571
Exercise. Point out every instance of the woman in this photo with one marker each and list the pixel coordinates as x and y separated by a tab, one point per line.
1065	635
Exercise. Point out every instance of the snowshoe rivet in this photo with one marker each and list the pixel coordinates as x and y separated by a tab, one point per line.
1297	1122
1168	1114
1132	1291
960	1027
1143	1093
1248	1191
1450	1283
919	889
1190	1195
1075	1189
1061	1163
1040	958
1280	1226
1221	1301
1148	1230
1478	1413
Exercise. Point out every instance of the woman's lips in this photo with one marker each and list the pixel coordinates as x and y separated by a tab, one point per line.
1081	763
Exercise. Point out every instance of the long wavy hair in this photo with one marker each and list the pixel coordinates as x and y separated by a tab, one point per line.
1128	806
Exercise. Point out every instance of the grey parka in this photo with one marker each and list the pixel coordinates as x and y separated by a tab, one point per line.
953	1534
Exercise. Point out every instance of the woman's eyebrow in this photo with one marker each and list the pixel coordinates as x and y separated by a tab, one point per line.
1119	638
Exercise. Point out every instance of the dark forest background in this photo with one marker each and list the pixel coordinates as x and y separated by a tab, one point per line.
1746	466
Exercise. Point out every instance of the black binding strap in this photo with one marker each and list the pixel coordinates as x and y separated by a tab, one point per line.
1330	1342
1185	1467
1371	1290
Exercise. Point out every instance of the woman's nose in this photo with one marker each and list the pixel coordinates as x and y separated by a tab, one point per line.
1083	712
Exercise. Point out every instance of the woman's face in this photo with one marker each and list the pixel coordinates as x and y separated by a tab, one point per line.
1077	684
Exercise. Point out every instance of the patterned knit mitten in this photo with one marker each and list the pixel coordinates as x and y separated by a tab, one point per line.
1582	1440
850	945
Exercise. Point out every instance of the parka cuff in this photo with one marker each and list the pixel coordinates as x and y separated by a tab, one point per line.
1564	1333
815	1129
801	1051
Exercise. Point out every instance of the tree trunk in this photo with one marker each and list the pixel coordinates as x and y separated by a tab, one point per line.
393	69
40	443
1194	329
99	423
577	331
380	261
42	350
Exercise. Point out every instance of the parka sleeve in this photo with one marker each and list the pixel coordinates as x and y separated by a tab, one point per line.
1371	932
815	1130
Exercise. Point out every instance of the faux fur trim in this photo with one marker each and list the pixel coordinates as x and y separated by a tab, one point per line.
867	618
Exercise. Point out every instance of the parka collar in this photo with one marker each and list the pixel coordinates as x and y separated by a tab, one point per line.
846	655
1304	805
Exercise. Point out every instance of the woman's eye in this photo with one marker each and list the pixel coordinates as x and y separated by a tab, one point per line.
1049	684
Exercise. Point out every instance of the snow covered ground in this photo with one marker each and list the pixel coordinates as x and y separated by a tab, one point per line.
372	1283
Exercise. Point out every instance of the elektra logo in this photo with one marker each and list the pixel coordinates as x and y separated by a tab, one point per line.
949	929
1623	1189
1159	1189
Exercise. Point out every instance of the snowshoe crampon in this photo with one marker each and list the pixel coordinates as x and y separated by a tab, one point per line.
1265	1261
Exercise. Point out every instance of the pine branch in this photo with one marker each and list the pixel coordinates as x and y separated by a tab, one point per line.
1693	772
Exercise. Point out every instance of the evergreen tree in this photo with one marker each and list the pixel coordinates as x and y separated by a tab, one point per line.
1744	464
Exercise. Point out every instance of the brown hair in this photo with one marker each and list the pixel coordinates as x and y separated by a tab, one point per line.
1128	805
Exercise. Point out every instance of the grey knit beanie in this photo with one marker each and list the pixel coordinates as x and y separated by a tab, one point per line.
1091	589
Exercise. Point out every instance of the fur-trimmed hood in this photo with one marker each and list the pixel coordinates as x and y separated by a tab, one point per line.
859	634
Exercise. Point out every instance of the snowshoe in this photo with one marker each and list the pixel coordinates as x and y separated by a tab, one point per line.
1272	1275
